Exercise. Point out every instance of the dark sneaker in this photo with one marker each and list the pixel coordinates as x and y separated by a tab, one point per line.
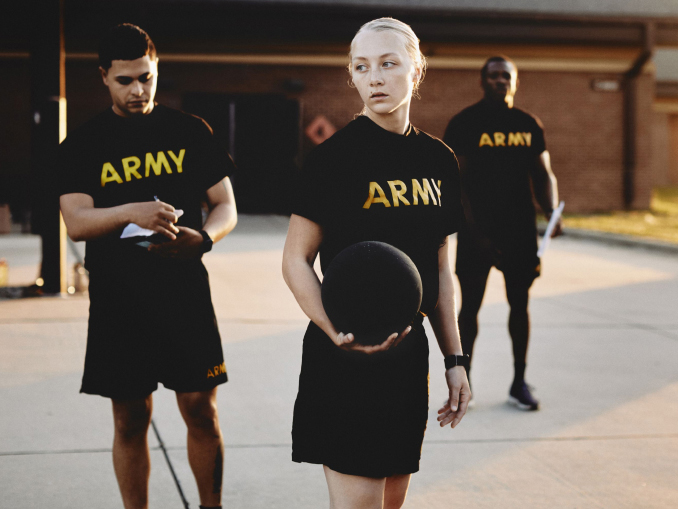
520	397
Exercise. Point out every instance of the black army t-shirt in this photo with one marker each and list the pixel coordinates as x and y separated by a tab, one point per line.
367	183
501	146
166	154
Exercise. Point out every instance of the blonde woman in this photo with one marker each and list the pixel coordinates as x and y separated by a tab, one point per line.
361	411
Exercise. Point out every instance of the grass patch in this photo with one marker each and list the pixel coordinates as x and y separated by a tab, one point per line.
659	222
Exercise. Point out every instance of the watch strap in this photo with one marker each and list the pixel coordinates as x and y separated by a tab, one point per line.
207	241
452	361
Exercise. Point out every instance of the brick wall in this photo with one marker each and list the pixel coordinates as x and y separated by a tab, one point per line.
644	178
661	149
673	149
583	127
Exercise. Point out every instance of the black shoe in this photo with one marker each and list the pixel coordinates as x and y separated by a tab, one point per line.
520	397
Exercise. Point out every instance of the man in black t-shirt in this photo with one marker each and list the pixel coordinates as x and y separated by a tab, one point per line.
504	163
151	316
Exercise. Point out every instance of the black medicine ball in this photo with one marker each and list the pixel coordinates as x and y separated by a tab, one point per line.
372	290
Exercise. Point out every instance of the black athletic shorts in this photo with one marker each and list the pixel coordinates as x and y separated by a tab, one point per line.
362	414
516	259
151	325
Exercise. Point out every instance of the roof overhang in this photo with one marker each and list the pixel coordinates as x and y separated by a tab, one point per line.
204	25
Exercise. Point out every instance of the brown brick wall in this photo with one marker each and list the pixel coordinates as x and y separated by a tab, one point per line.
583	127
660	159
673	150
644	179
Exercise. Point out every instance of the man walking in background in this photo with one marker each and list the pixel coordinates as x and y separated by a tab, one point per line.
504	162
151	316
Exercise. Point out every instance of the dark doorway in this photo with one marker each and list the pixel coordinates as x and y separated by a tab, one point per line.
261	133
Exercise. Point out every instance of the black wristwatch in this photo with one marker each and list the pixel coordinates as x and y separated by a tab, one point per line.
207	242
452	361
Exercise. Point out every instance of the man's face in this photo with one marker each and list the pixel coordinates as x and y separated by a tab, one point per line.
501	81
132	85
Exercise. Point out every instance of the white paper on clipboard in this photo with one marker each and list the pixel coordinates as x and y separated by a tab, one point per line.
549	229
134	230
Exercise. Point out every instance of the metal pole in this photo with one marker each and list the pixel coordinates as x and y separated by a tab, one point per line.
48	101
630	84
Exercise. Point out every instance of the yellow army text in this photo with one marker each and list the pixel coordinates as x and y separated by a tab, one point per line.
131	166
399	193
216	370
500	140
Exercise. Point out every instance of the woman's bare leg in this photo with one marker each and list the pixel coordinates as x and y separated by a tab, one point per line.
395	491
356	492
353	491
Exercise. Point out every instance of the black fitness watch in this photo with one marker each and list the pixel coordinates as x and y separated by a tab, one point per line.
207	242
452	361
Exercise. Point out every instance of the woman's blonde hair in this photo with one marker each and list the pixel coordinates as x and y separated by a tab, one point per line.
409	38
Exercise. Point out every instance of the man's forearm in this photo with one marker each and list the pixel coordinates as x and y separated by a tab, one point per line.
546	194
545	184
86	222
91	223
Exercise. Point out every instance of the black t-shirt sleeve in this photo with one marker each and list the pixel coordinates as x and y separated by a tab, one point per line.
538	139
310	195
213	160
70	173
456	136
453	210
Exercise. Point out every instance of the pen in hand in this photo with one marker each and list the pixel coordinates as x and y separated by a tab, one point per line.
177	212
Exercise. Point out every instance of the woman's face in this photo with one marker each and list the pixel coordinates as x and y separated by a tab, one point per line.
382	71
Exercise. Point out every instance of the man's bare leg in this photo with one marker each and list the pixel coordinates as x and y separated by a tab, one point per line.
131	459
205	443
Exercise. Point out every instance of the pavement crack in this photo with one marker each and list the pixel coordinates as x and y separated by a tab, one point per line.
573	325
60	451
247	321
555	439
21	321
652	436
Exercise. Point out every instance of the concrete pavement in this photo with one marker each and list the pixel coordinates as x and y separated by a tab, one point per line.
603	357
